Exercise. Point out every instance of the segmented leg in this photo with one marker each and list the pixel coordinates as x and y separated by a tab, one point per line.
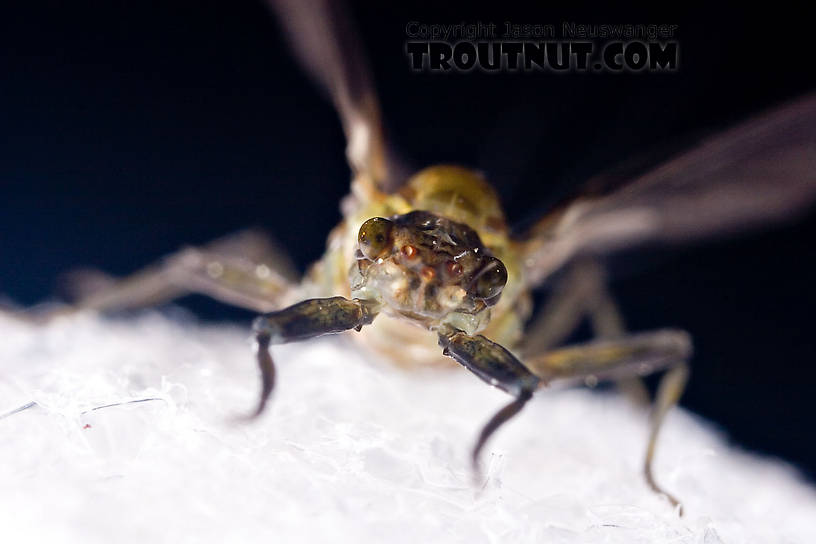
582	293
243	270
622	358
563	311
668	394
304	320
496	366
607	323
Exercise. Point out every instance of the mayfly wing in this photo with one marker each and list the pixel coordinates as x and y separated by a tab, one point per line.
323	39
759	172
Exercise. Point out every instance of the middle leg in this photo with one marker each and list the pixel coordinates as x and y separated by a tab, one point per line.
627	358
582	293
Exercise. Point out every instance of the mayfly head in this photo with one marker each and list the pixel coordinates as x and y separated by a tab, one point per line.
427	268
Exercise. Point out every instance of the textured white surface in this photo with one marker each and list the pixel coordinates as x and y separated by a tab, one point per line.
352	450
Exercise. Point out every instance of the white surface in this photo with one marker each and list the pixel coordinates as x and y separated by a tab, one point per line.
352	450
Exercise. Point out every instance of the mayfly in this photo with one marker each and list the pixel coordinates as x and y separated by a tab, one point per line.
424	266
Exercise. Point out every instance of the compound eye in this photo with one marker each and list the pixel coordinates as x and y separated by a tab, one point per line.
491	280
375	237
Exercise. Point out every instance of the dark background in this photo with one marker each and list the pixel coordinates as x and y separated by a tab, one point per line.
128	129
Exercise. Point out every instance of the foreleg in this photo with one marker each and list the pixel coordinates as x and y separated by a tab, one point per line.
304	320
496	366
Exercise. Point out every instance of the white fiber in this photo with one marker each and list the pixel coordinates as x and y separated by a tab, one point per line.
352	450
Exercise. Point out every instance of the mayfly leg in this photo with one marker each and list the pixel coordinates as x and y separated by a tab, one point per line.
302	321
495	365
562	312
581	293
243	269
626	358
668	394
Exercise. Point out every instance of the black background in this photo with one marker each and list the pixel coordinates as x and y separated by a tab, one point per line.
128	129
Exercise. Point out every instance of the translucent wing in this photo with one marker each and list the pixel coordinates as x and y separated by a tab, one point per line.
323	39
759	172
